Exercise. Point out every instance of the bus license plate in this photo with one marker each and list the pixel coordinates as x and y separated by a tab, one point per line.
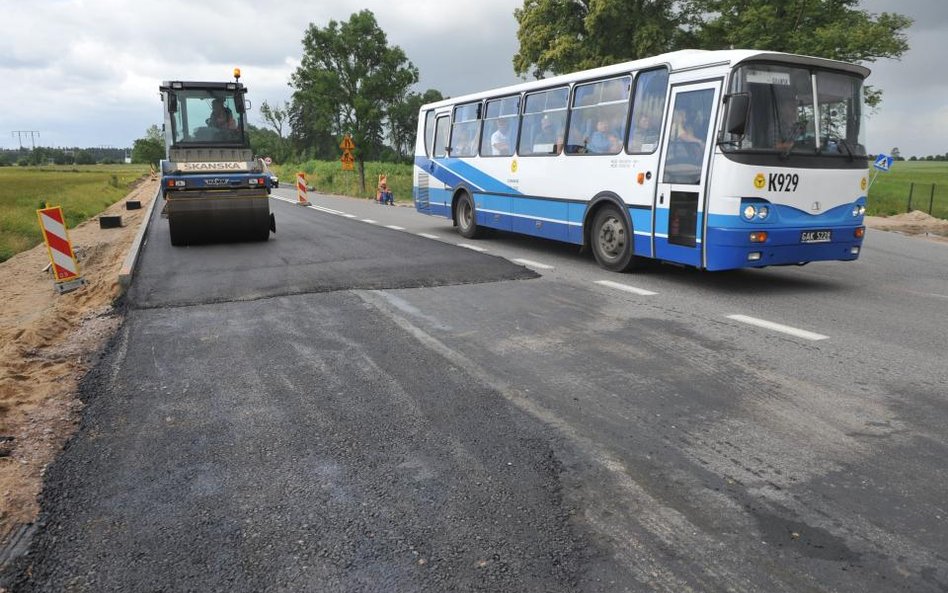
815	237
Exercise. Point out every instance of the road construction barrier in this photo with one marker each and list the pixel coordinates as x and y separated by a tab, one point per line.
62	257
301	190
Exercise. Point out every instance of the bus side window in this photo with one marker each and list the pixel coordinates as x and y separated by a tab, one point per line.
440	138
647	108
429	132
597	124
501	126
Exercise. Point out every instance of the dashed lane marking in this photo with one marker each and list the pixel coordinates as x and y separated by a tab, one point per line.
472	247
329	210
532	264
779	327
395	228
429	236
625	288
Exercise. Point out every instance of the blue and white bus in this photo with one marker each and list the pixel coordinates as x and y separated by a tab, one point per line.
713	159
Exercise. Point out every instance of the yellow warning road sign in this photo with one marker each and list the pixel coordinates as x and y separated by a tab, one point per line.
347	143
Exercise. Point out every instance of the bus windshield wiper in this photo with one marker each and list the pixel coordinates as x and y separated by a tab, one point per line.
848	148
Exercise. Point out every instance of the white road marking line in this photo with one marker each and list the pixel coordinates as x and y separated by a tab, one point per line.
800	333
428	236
395	228
472	247
369	220
349	215
625	287
329	210
532	264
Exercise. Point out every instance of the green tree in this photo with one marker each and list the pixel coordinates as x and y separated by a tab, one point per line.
834	29
347	81
559	36
85	157
403	120
149	149
272	142
276	117
266	142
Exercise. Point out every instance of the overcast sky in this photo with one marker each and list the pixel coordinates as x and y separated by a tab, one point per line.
86	72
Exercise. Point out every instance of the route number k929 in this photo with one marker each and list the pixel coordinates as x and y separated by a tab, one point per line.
785	182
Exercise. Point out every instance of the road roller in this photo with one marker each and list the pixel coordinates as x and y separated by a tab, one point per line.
214	189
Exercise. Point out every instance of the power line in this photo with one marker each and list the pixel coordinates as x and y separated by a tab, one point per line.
20	133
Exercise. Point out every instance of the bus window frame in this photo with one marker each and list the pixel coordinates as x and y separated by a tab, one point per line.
661	115
523	114
484	119
431	117
571	107
479	109
447	137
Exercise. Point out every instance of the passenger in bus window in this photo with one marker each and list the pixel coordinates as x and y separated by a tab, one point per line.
546	140
683	125
598	141
500	140
464	145
644	135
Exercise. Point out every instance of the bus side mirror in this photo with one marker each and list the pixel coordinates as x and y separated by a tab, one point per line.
738	106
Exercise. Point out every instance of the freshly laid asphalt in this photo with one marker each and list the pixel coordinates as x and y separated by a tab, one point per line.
261	442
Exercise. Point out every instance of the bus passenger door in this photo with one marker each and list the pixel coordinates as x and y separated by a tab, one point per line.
439	186
683	172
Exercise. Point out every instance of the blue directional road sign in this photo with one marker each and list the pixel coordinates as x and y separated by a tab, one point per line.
883	162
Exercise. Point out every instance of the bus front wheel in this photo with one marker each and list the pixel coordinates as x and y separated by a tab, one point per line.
612	240
465	218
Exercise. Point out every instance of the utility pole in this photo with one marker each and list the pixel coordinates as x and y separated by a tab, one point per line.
20	133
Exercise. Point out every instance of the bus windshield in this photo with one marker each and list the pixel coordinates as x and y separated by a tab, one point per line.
206	116
799	110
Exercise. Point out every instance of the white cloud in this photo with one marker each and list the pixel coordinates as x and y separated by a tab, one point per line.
86	72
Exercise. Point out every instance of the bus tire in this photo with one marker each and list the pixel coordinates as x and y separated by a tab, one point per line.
465	218
611	240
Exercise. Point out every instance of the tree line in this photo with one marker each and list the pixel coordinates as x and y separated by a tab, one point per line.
352	81
42	155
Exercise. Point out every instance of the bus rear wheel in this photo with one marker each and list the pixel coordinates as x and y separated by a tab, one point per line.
465	217
611	240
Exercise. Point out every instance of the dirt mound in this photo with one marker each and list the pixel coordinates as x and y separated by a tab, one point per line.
47	343
911	223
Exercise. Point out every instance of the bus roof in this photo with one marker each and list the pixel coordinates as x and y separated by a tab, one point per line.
685	59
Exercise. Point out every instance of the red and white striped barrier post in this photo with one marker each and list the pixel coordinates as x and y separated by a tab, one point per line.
61	255
301	190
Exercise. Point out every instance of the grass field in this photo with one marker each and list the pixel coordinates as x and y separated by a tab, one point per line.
890	191
82	190
887	196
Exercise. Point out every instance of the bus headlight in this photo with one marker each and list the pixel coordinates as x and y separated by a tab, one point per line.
762	212
859	210
750	212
